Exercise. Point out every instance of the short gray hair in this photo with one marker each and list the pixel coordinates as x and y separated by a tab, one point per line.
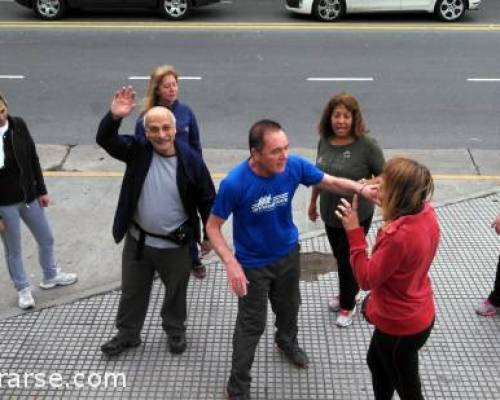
174	121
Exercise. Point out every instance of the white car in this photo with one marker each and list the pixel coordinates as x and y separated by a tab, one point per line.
332	10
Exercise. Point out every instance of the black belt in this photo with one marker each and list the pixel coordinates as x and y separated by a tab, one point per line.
180	236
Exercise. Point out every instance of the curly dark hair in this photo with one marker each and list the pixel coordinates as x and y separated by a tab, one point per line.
347	100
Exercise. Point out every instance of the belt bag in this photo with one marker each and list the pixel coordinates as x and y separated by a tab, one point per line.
181	236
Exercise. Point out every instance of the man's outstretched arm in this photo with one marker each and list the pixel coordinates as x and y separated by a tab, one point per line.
347	186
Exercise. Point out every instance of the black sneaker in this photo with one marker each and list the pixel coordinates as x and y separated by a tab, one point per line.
229	396
295	355
177	343
199	270
118	345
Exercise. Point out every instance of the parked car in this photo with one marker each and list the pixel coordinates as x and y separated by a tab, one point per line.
170	9
332	10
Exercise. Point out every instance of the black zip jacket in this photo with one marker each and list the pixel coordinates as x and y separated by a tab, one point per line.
195	185
25	156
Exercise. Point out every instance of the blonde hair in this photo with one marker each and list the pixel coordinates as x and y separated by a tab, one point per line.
406	186
4	100
156	77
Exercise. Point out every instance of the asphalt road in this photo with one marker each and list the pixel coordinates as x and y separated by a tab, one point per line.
417	87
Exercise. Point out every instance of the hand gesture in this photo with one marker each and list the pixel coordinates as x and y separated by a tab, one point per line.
496	224
3	225
312	212
44	200
370	192
348	213
236	278
123	102
206	247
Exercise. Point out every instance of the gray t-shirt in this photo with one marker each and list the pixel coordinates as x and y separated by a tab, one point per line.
160	209
362	158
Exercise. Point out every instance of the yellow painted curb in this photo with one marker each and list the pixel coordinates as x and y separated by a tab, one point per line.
249	26
451	177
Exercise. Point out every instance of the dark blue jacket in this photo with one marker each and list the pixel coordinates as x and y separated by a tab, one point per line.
195	185
186	126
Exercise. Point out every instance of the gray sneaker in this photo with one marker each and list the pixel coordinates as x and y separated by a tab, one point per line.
26	299
61	279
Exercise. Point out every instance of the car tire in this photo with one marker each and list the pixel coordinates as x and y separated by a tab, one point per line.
176	9
49	9
328	10
450	10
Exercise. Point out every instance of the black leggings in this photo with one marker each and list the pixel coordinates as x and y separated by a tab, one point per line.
348	287
494	297
393	362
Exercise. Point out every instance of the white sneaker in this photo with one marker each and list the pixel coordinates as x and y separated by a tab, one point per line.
334	304
61	279
26	299
345	317
486	309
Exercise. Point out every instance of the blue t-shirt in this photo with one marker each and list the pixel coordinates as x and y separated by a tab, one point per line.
263	228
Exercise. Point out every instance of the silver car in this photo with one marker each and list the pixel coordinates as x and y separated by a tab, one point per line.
332	10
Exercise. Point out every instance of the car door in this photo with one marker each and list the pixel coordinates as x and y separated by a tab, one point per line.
373	5
417	4
101	3
141	3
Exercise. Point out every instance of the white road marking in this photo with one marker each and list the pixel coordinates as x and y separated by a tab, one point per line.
340	79
11	76
483	79
181	78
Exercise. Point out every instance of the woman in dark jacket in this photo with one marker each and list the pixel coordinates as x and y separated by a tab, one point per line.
22	197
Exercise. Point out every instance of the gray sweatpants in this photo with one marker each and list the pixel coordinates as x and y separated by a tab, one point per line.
35	219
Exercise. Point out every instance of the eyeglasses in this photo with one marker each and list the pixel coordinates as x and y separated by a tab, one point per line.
154	129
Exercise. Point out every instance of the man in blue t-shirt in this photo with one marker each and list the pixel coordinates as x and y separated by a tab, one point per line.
259	192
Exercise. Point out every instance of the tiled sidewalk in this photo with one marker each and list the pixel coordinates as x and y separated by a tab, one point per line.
460	361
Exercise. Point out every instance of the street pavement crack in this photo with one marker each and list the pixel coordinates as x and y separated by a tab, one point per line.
476	167
60	166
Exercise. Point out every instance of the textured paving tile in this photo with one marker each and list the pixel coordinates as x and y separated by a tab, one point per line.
460	361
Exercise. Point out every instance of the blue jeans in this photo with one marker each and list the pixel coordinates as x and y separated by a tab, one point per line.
34	217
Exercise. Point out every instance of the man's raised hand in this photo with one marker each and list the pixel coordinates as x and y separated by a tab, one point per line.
123	102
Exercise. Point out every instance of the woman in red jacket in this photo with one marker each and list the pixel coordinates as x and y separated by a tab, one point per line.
401	303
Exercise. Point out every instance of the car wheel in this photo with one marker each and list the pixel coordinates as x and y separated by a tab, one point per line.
450	10
329	10
50	9
175	9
